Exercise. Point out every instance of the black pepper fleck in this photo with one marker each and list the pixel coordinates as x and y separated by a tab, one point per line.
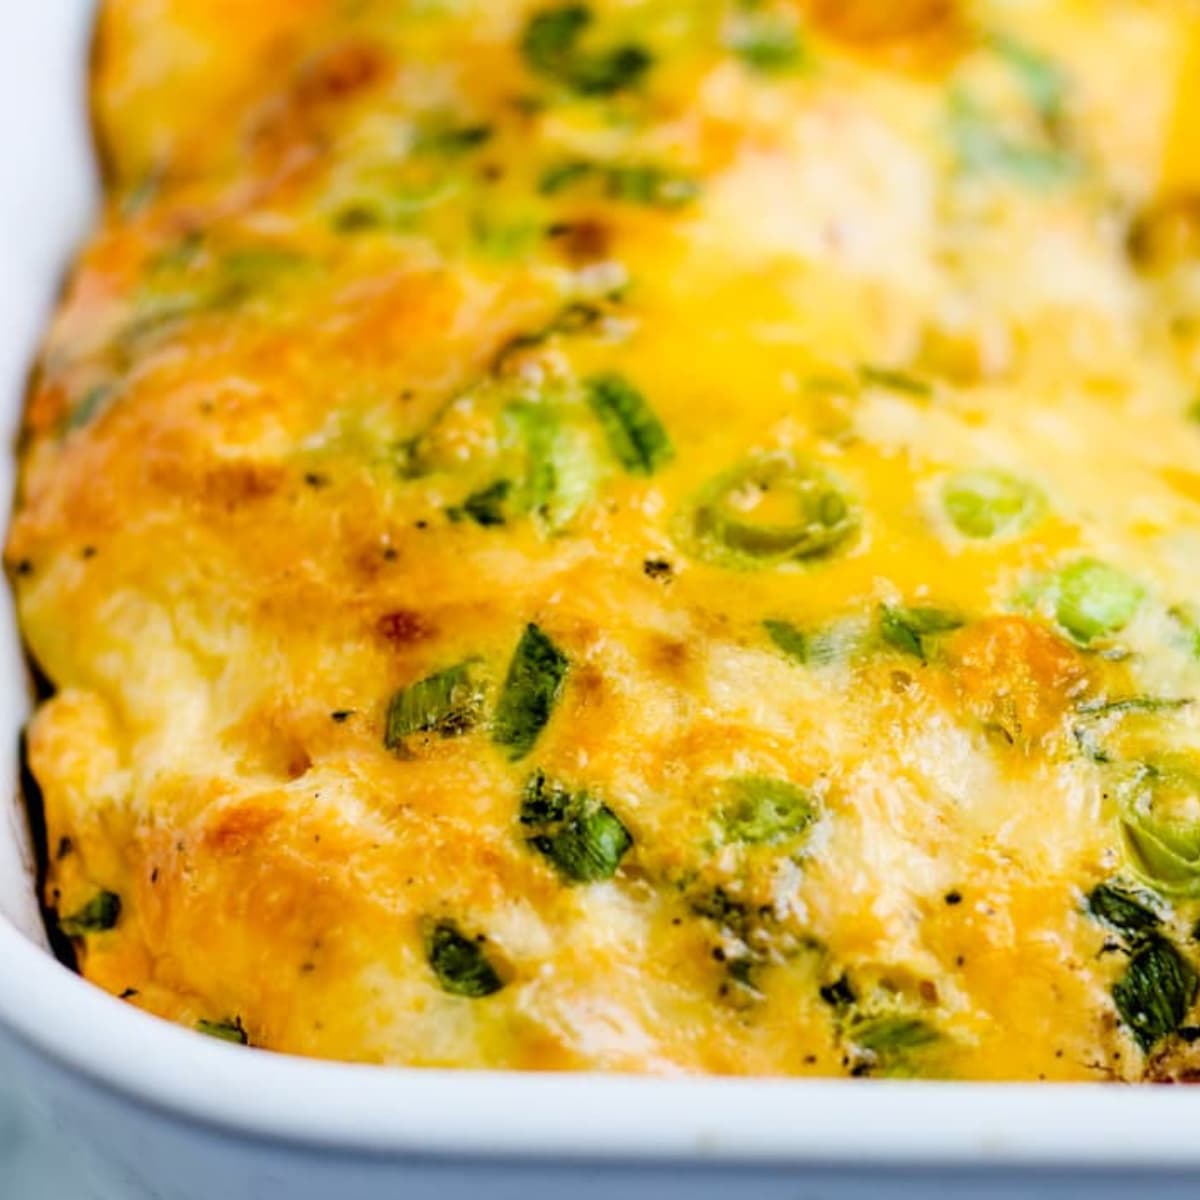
838	994
953	898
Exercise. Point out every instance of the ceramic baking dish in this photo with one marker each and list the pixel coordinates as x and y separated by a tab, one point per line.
183	1117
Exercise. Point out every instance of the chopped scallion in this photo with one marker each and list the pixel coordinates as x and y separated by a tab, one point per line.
459	962
910	629
583	838
551	47
229	1030
761	811
1095	600
768	511
1156	992
635	434
989	503
1121	911
100	913
531	689
485	507
447	703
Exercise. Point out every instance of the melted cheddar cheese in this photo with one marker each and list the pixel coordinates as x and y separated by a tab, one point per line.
642	535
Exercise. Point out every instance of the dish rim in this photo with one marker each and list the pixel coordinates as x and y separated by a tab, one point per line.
391	1112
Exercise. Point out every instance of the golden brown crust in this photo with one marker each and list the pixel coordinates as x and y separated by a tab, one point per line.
652	537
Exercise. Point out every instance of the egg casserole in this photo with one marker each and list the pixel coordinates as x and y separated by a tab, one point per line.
639	535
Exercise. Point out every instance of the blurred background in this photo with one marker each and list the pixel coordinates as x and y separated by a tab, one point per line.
37	1162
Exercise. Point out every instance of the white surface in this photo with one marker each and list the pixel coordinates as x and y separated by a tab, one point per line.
188	1118
45	198
36	1159
44	202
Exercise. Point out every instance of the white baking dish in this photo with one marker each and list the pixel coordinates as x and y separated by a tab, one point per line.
187	1118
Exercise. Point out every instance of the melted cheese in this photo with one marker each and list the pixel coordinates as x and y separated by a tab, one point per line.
355	261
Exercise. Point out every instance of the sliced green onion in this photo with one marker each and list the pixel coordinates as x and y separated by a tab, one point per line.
889	1043
1097	717
561	469
789	638
761	811
989	504
551	34
459	962
447	703
612	71
1186	621
635	434
766	43
581	836
1168	856
1120	910
531	689
1156	992
891	1033
94	399
229	1030
632	183
1043	80
982	148
769	511
453	139
100	913
505	238
732	916
486	506
909	629
651	185
1134	704
1095	600
550	45
560	176
819	647
839	994
893	380
1160	820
